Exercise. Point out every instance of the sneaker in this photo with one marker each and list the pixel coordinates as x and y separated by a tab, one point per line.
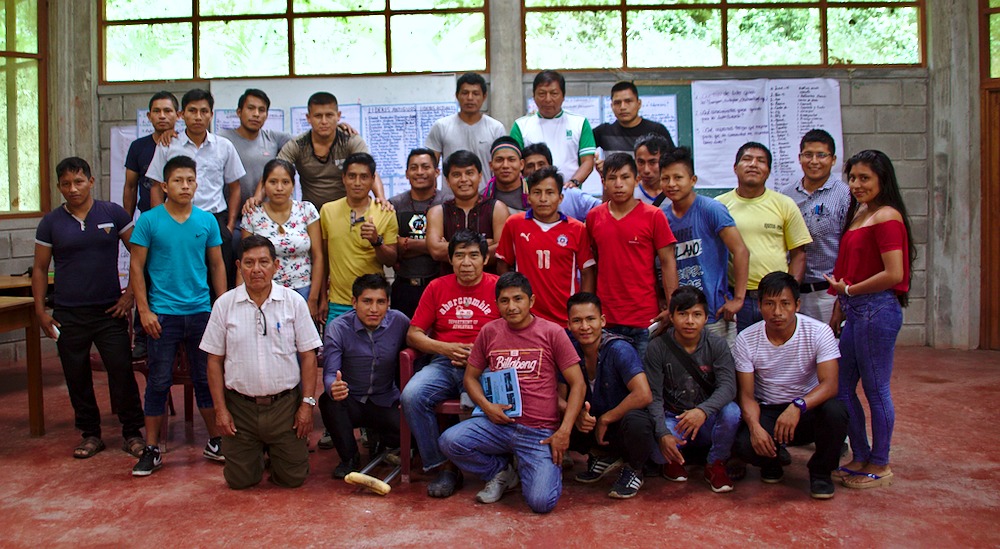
772	473
445	484
627	485
213	450
675	472
325	441
717	478
821	487
784	458
598	467
500	484
149	462
346	467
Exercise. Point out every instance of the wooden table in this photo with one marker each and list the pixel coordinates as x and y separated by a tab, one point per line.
17	313
17	285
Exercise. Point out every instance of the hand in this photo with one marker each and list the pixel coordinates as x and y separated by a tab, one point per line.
385	205
323	310
584	421
369	232
166	137
784	428
601	429
224	421
729	309
250	205
48	324
122	306
231	226
669	448
347	128
303	420
559	442
762	442
839	286
150	324
457	352
339	389
495	413
664	319
313	303
836	320
599	166
690	421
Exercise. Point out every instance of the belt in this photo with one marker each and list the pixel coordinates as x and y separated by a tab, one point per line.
808	288
416	281
263	400
751	294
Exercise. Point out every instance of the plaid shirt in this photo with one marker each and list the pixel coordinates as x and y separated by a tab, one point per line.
825	212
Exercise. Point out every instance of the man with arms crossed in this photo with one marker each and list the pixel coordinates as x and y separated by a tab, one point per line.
622	134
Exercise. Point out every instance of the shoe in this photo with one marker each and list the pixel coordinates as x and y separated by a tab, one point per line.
445	484
772	473
598	467
627	485
821	487
213	450
346	467
139	349
149	462
675	472
784	458
717	478
500	484
325	441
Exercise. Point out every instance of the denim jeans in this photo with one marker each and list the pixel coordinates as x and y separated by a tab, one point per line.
867	342
718	432
750	313
176	330
639	337
434	383
304	292
482	447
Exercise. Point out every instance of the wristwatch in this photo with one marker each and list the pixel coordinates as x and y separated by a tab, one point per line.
800	404
378	242
575	182
309	400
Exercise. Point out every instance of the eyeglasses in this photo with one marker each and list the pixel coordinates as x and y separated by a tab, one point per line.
261	322
817	156
355	219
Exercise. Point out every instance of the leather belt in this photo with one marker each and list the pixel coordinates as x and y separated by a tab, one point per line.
417	281
808	288
263	400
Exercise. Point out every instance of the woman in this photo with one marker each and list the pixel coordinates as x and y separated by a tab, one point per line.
294	229
872	279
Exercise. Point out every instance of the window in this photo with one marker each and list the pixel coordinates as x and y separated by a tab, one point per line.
993	34
22	103
648	34
188	39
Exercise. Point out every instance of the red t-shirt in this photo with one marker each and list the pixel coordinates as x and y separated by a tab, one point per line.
453	313
551	256
536	351
861	251
625	250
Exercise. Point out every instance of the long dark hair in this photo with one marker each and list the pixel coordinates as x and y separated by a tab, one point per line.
888	195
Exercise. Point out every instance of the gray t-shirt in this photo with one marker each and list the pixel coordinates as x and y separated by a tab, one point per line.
254	154
512	199
450	134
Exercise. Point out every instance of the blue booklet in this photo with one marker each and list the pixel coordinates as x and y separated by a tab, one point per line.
501	387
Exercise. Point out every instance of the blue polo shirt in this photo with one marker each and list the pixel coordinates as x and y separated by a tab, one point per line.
617	363
369	360
140	154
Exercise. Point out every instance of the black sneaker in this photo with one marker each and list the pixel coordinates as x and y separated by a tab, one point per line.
149	462
598	467
325	441
772	473
784	457
821	487
213	450
627	485
346	467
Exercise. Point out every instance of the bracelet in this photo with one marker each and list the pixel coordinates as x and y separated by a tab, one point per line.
847	290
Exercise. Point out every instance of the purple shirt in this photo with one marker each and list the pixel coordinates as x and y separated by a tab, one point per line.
369	360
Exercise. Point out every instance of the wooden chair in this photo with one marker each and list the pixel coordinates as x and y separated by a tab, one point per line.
407	359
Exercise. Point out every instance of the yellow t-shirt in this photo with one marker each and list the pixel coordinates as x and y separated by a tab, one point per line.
348	255
770	225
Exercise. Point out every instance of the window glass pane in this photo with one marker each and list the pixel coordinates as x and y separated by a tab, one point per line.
433	4
880	36
774	37
657	2
19	172
674	38
995	3
121	10
554	3
573	40
340	45
241	7
148	52
445	42
337	5
995	46
244	48
26	19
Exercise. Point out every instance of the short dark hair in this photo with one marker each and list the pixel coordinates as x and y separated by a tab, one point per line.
774	283
364	159
654	143
507	140
470	78
321	98
462	159
420	151
547	77
253	92
583	298
72	164
275	163
177	163
163	95
467	237
685	297
818	136
513	279
623	86
542	174
373	281
680	155
616	161
753	145
197	94
248	243
537	148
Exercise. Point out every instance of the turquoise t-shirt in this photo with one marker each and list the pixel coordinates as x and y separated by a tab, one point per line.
176	268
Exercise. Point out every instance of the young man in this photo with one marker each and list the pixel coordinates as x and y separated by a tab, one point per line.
706	238
575	202
468	129
770	224
89	307
548	247
358	237
648	150
616	385
823	201
786	371
163	116
415	267
452	311
627	236
538	350
170	245
691	374
507	184
261	342
360	365
622	134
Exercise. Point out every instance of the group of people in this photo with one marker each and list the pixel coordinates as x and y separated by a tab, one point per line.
646	327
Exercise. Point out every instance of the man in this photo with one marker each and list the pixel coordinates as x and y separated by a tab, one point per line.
452	311
467	210
507	184
170	245
89	307
622	134
263	395
358	238
219	170
415	267
575	202
691	374
616	385
786	372
468	129
627	235
569	135
360	365
648	150
539	351
823	202
771	226
551	249
707	237
163	116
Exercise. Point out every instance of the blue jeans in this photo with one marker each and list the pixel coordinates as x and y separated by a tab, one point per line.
867	342
639	337
749	314
304	292
434	383
481	447
176	330
718	432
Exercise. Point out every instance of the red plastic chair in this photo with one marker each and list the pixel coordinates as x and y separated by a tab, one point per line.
407	358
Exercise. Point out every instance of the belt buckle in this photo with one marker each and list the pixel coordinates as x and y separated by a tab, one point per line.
263	401
415	281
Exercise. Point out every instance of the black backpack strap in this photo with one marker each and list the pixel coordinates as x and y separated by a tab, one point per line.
688	364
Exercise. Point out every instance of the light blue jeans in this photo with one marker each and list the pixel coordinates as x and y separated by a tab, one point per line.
718	432
434	383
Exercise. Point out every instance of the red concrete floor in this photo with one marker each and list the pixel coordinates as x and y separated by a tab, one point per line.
945	494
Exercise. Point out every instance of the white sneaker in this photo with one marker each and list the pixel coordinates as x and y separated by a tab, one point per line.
503	482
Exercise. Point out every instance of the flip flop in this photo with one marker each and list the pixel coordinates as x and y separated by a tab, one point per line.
847	473
863	481
88	448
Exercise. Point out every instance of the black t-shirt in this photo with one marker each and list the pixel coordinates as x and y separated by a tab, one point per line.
614	138
412	218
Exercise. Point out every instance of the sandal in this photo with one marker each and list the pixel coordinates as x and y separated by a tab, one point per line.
88	448
864	480
134	446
